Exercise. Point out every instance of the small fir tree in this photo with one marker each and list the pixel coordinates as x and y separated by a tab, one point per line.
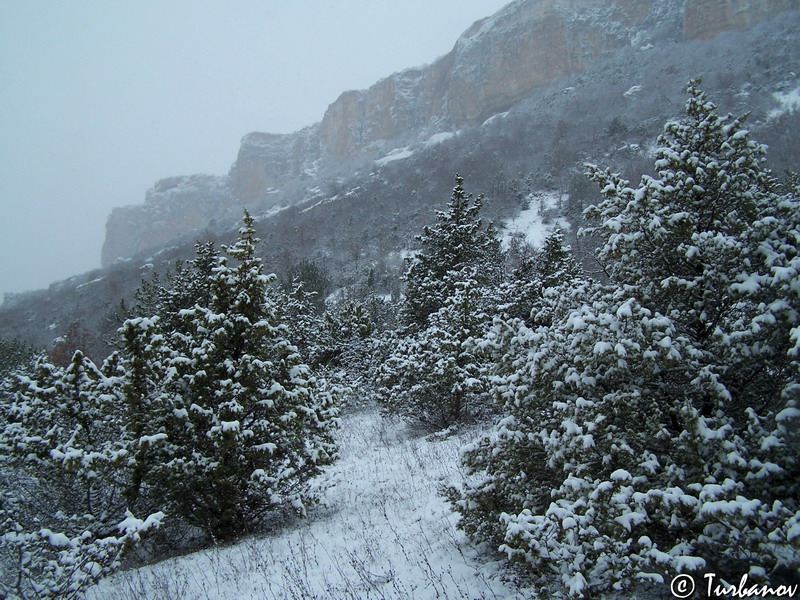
520	296
459	241
434	378
253	425
184	287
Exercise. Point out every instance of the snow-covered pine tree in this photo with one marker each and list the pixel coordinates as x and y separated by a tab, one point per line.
183	287
14	355
458	241
351	319
677	239
299	310
651	426
431	373
359	341
313	279
139	377
713	245
64	518
554	261
253	425
555	478
434	378
537	270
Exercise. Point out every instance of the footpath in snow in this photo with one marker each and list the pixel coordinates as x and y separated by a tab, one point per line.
382	531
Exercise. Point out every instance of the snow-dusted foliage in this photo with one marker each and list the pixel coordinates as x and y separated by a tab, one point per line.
434	377
298	310
187	285
68	475
535	271
249	423
651	424
359	341
205	412
570	393
459	241
433	373
14	356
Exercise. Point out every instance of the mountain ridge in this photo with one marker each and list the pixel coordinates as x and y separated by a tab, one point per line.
496	62
358	220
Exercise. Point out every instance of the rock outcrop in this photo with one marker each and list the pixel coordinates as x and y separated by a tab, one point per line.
268	160
497	62
172	207
706	19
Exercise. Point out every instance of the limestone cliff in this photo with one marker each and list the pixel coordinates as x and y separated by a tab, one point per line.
268	160
497	62
705	19
172	207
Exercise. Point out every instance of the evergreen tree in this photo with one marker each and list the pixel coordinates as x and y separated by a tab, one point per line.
299	310
660	411
204	410
313	279
678	241
434	378
184	287
15	358
554	262
359	340
253	423
139	374
458	242
64	517
535	272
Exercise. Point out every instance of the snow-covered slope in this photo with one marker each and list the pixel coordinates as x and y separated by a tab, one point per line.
536	222
382	531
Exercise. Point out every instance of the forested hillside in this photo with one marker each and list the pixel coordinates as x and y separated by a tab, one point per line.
628	422
356	219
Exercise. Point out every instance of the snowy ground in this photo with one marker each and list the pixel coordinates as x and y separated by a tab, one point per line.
532	221
384	532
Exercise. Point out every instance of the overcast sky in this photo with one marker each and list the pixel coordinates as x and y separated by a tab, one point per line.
99	99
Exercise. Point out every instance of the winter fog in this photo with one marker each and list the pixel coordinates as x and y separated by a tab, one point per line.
522	321
100	100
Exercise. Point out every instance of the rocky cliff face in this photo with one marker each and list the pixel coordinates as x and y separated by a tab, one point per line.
267	160
494	64
705	19
172	207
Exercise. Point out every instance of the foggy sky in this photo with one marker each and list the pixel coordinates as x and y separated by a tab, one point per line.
100	99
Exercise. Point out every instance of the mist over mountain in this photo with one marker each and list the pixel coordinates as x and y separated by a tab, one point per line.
523	322
523	99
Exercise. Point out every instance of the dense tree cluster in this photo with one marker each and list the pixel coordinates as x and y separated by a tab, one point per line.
650	424
640	425
205	413
460	245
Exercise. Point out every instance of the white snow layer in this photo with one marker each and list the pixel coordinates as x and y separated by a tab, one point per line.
632	91
532	221
382	531
438	138
396	154
789	102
